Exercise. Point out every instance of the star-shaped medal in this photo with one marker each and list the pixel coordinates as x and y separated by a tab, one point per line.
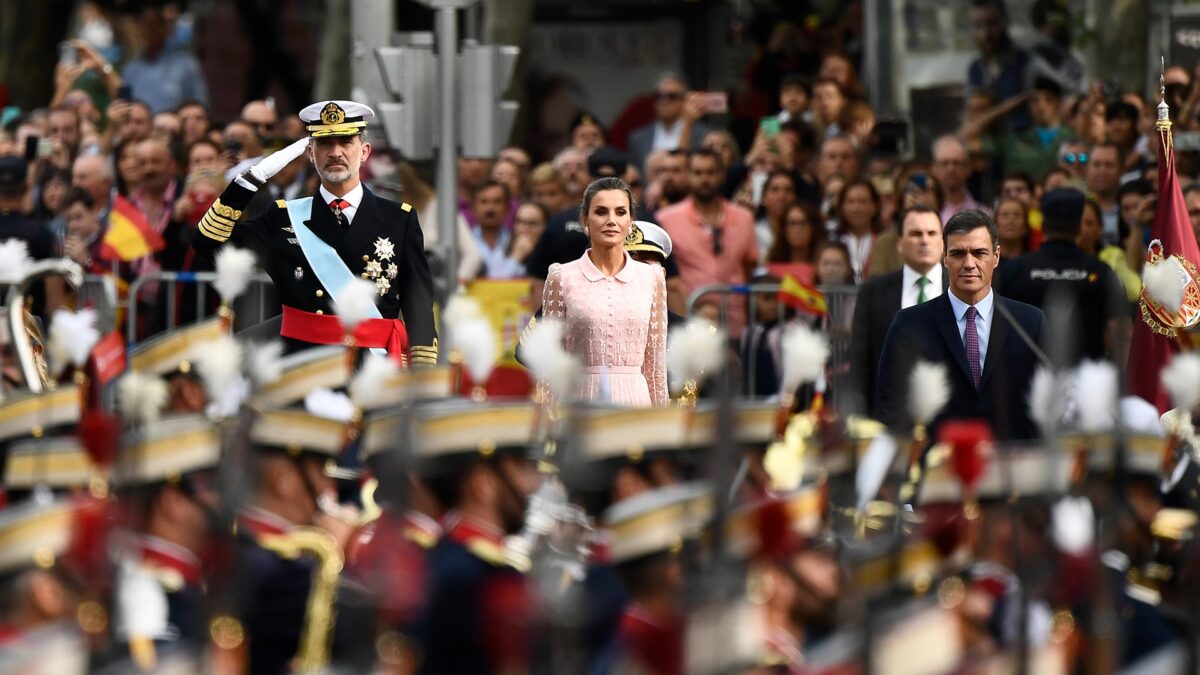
374	268
392	270
382	285
384	249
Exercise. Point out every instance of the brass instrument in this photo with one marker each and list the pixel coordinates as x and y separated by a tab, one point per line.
24	332
316	637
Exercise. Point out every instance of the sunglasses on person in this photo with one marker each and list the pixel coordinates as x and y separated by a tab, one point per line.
717	248
1073	158
669	95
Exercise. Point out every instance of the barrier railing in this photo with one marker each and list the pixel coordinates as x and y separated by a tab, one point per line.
255	305
839	301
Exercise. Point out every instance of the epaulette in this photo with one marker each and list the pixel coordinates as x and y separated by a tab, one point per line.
405	206
281	203
488	551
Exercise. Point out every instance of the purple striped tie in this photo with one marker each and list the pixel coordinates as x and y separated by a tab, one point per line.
971	338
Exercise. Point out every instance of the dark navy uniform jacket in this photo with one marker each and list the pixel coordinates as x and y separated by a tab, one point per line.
383	244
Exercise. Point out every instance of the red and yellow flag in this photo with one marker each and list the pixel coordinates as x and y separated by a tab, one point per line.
801	297
129	236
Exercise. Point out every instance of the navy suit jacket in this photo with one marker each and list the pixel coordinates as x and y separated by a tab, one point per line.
641	142
928	332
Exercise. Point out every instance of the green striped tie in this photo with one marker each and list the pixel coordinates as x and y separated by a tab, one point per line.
921	284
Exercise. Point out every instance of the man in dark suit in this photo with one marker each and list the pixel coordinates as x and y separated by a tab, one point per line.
921	279
313	247
676	125
974	333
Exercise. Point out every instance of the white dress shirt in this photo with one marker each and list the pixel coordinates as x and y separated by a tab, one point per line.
983	323
910	291
354	197
667	139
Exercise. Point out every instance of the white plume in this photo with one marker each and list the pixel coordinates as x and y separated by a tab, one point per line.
1181	378
804	354
142	397
459	308
264	361
235	266
1073	525
72	336
14	260
356	301
928	391
695	350
873	468
542	352
1164	282
1096	390
369	380
475	340
329	404
219	364
1044	399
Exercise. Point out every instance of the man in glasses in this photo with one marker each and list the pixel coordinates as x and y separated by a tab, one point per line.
1103	177
677	113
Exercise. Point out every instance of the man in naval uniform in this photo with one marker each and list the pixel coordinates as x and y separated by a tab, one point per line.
314	247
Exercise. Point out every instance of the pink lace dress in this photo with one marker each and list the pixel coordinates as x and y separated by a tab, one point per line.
617	326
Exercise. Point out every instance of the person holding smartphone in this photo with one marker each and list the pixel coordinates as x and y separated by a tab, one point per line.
676	125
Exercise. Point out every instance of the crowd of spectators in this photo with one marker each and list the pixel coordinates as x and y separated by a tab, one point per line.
811	190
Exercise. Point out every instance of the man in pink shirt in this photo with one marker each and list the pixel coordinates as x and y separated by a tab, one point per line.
713	238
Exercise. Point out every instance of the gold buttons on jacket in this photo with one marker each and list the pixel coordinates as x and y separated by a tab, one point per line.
320	293
320	312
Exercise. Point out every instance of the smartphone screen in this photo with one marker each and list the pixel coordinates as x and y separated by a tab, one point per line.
770	126
67	54
31	148
716	102
125	92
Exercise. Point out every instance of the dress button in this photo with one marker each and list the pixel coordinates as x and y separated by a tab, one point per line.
320	312
320	293
366	258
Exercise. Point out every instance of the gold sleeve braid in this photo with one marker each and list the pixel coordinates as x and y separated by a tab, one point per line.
217	223
423	355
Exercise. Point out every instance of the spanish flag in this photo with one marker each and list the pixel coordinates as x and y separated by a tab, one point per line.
129	236
799	296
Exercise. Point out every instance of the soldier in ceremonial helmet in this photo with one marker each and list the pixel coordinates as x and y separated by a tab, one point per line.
315	247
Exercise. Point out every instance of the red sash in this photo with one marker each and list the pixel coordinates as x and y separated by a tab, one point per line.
327	329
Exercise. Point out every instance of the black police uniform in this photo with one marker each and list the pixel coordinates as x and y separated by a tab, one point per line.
1091	286
383	244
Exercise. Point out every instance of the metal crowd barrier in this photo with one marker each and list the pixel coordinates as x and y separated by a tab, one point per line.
257	304
99	292
839	301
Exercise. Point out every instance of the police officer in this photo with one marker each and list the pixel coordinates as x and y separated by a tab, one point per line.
312	248
1060	278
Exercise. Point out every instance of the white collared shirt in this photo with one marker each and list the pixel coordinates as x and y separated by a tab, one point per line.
354	197
910	290
667	139
983	322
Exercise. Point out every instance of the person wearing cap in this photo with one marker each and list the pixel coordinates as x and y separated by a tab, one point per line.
15	220
648	243
478	611
37	586
171	500
315	247
586	133
290	496
1061	273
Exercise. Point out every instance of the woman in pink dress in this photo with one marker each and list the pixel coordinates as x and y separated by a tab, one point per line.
614	309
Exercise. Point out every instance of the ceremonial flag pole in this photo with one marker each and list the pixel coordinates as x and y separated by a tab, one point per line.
1171	258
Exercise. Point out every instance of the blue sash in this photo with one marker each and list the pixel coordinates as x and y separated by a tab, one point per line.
324	260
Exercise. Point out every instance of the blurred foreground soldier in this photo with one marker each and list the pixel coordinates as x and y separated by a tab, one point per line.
290	540
160	584
313	248
171	356
1085	293
36	588
478	618
648	534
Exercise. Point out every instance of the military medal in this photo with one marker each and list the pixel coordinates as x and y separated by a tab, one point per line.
384	249
299	273
392	270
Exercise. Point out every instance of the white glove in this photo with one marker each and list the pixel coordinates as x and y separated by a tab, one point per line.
274	163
